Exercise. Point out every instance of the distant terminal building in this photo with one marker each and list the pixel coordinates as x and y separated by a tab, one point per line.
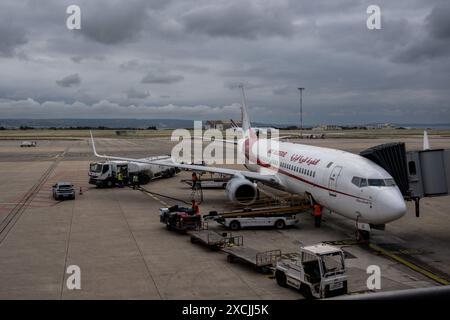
381	126
327	127
221	124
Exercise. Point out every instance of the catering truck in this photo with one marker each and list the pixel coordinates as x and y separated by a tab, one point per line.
105	173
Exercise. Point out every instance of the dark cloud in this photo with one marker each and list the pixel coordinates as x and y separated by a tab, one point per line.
434	43
113	22
286	90
77	59
162	78
130	65
240	19
69	81
438	22
12	36
137	94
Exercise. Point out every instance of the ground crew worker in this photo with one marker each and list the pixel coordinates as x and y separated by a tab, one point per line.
317	215
135	182
120	179
195	207
194	180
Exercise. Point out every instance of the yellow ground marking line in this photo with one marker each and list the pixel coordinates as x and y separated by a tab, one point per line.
409	264
156	198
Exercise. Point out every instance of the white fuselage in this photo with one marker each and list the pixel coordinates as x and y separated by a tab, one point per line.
342	182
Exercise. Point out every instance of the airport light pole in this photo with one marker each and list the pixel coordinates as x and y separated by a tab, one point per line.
301	111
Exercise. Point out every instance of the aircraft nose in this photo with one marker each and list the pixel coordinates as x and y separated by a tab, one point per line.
390	205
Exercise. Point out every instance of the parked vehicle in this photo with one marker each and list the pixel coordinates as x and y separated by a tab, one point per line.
63	190
28	144
318	271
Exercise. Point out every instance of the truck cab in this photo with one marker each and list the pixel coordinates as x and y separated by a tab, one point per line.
318	271
104	174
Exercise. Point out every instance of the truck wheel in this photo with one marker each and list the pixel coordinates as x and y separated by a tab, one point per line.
281	278
109	184
306	291
235	225
279	224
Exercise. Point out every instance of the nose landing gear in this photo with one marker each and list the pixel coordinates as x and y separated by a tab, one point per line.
362	232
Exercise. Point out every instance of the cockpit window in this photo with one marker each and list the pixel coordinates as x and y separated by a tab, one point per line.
356	181
363	182
376	183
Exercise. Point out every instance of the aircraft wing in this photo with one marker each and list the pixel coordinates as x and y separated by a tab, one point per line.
216	140
269	179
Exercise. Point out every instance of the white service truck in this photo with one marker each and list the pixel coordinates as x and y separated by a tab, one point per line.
318	271
104	173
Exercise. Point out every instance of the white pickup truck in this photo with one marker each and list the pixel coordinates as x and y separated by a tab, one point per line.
318	271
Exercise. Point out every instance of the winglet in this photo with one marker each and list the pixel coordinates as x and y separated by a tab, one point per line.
426	142
93	145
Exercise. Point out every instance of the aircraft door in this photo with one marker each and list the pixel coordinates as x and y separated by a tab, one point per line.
332	181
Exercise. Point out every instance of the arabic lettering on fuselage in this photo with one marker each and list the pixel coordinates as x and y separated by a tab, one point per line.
278	153
302	159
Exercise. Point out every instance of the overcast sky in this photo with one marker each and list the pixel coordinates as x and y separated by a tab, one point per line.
183	59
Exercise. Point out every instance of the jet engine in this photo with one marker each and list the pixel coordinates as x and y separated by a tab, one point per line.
242	191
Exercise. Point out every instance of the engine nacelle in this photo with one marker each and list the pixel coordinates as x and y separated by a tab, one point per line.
242	191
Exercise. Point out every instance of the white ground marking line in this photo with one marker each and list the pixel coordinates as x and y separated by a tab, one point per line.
138	248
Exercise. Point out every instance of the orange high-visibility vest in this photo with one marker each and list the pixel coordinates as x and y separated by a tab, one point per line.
317	210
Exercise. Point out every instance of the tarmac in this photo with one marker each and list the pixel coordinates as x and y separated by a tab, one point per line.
124	252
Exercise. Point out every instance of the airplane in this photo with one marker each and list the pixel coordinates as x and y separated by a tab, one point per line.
342	182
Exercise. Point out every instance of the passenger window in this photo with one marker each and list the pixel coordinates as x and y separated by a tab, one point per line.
105	168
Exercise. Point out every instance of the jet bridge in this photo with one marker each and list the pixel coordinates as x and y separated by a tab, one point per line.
418	174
